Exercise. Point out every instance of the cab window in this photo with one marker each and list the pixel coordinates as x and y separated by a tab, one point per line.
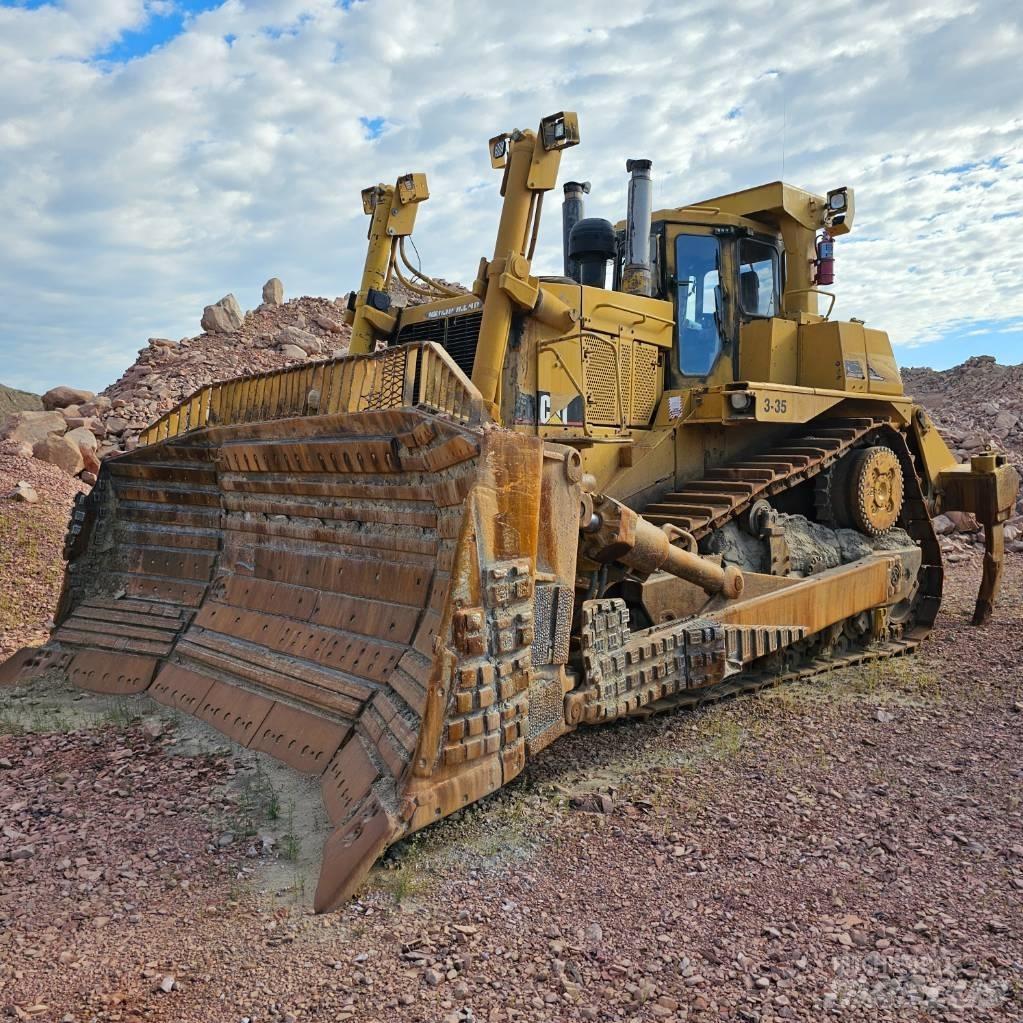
758	278
697	268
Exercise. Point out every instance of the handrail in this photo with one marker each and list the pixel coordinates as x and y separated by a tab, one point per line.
816	291
420	374
643	317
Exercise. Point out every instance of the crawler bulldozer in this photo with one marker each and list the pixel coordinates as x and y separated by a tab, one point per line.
661	477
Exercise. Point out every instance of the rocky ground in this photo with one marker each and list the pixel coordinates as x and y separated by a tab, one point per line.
31	541
847	848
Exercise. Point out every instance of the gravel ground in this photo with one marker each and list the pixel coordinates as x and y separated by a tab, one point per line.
31	540
847	849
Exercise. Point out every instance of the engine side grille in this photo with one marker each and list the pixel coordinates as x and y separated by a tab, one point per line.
457	334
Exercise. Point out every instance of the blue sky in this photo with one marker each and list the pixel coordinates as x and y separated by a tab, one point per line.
157	30
157	154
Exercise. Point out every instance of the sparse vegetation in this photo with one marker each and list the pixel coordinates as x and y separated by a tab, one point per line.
259	802
123	713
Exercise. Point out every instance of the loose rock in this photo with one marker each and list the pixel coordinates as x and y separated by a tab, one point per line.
61	397
60	451
223	316
273	292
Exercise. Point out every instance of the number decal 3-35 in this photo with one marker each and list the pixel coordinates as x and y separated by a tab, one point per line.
776	405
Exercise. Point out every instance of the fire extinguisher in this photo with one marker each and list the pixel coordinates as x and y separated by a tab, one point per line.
825	261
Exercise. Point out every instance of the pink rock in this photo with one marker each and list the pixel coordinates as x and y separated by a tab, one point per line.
32	427
60	451
61	397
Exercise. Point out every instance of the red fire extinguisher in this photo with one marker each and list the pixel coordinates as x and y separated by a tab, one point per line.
825	261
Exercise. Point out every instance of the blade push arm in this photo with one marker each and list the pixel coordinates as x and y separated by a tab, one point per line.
392	211
530	161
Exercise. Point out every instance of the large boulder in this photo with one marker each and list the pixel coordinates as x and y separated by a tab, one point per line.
223	317
116	424
61	397
964	522
309	343
273	292
32	427
101	403
83	437
91	459
61	452
1004	423
292	352
93	423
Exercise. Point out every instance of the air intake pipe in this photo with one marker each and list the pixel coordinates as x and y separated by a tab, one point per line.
637	275
572	211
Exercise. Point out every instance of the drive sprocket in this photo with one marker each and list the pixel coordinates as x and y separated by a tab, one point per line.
864	491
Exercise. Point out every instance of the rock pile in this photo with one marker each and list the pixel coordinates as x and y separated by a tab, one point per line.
62	436
274	335
75	428
976	405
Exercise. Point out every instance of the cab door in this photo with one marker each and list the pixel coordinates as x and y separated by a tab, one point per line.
700	269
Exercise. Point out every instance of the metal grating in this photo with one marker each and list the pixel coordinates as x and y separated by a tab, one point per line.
458	335
600	373
543	607
463	334
645	377
563	625
390	380
626	349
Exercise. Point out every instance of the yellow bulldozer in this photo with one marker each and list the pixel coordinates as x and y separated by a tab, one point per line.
659	478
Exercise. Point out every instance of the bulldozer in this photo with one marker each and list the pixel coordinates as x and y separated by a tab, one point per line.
659	478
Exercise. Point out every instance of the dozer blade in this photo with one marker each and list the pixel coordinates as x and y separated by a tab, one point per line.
350	593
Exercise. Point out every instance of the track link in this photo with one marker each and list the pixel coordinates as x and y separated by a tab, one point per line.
726	492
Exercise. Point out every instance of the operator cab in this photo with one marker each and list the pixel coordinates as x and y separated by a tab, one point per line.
718	278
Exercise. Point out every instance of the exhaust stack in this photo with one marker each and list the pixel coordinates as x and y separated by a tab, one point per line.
637	276
572	211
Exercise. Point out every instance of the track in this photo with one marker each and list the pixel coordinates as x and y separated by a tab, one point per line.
704	505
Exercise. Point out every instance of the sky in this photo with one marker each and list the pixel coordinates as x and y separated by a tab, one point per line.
158	154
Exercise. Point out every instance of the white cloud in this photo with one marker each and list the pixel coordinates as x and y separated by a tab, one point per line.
133	194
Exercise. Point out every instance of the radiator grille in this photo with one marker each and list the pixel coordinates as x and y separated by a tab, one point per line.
458	335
